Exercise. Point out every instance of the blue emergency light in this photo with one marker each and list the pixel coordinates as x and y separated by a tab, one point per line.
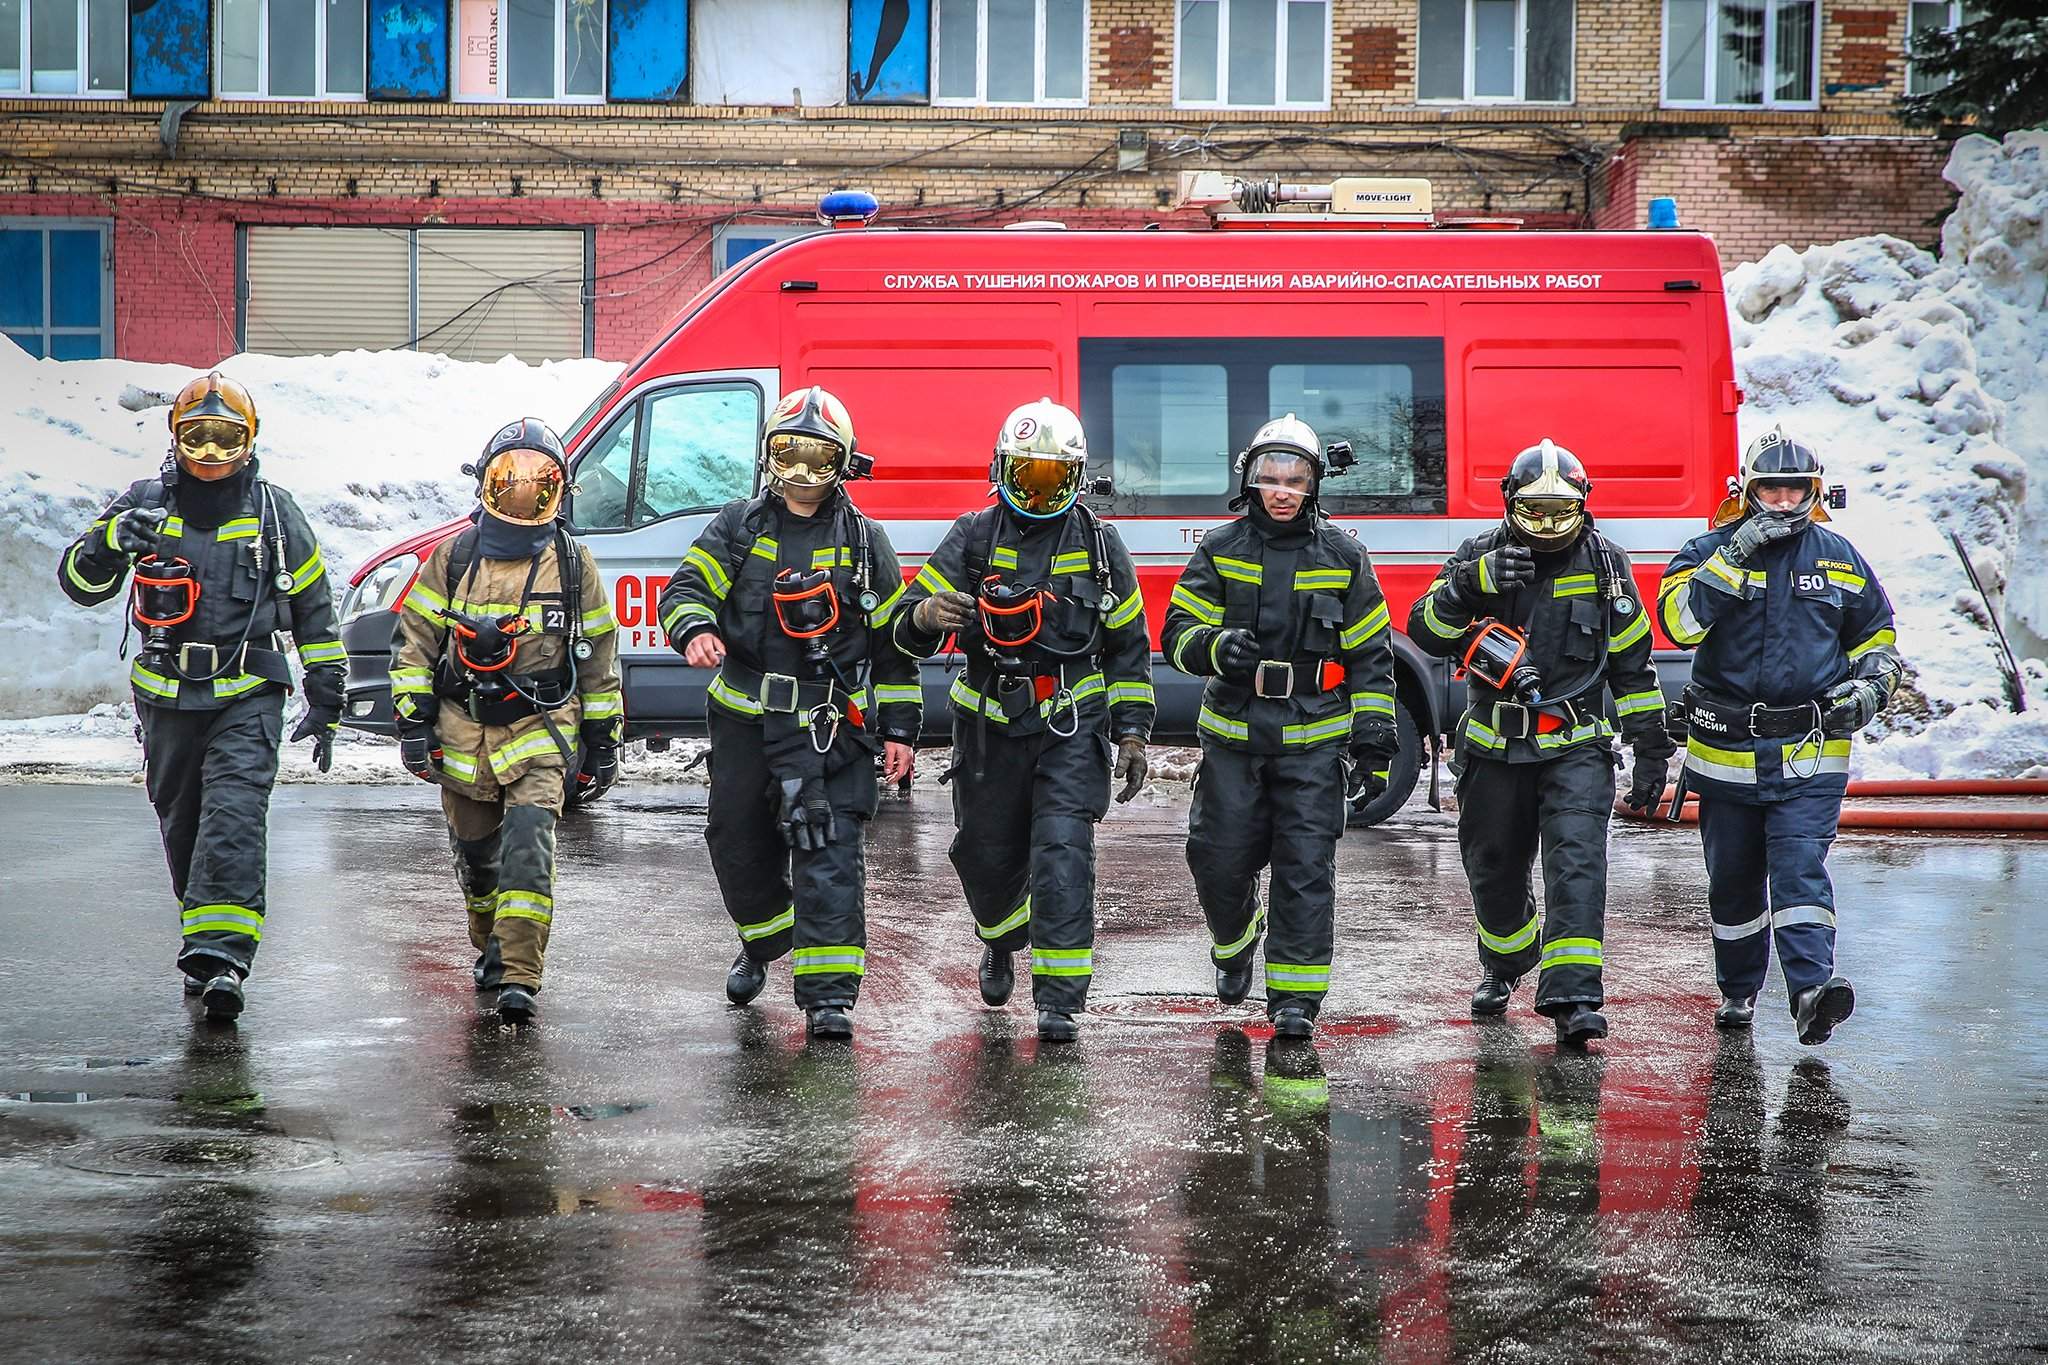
848	208
1663	213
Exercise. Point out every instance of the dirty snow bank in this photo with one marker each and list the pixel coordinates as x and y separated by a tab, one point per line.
1920	379
370	443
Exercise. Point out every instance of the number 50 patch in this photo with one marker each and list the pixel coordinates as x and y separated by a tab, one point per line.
1810	582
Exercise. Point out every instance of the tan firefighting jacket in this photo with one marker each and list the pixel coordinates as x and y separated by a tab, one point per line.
477	759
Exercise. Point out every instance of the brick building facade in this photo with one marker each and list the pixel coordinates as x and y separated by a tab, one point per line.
1769	120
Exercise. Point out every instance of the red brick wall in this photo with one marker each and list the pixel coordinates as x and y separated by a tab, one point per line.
1752	193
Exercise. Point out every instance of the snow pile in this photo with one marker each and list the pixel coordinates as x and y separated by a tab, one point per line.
370	443
1919	379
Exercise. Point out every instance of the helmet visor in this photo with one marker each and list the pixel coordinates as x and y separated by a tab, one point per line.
1282	471
212	441
802	460
1040	485
1547	521
1786	495
523	487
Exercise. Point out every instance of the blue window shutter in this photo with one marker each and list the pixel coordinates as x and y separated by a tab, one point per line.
170	49
408	49
649	49
21	279
888	52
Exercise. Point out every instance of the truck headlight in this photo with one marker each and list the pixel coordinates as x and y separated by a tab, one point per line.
381	588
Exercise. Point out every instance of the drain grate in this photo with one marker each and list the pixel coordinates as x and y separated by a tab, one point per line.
198	1156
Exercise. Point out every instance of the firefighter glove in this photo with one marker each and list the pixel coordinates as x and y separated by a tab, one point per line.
1130	766
137	530
806	813
1757	531
1653	765
1365	778
1502	569
943	612
1237	656
600	770
1851	705
319	724
418	754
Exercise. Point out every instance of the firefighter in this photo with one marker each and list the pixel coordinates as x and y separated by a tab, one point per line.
224	560
1543	614
506	681
789	596
1282	613
1056	702
1795	652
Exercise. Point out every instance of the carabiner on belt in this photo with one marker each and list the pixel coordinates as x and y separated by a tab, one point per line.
823	719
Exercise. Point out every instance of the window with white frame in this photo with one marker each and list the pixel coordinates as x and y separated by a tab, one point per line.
1732	53
1010	51
732	243
63	47
529	50
291	49
1253	54
1922	18
1512	51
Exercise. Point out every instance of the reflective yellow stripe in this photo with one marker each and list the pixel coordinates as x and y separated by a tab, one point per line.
233	919
1853	582
766	547
768	927
1062	961
731	698
412	680
1318	580
1072	562
1121	692
832	557
458	765
1797	758
601	621
1513	943
1298	978
526	905
1571	952
931	580
714	573
535	744
1222	726
898	694
107	529
242	528
603	705
156	684
1438	627
1367	626
1203	610
1315	732
1638	626
882	615
79	580
323	652
1126	612
1727	765
1003	557
1180	650
236	686
1226	951
841	959
1239	570
683	610
1639	701
1485	736
1378	703
307	574
1016	919
1679	622
1573	585
1884	637
424	601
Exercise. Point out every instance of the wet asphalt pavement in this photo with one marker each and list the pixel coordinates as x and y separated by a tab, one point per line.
368	1168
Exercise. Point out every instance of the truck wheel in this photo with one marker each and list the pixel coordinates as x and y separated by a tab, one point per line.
1401	773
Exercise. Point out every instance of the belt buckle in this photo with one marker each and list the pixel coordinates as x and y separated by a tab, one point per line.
779	692
1756	711
1504	709
1282	669
188	650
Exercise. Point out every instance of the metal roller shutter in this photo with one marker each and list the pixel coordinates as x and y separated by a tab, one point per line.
486	293
313	291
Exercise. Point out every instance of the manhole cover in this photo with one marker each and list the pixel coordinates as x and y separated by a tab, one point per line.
198	1156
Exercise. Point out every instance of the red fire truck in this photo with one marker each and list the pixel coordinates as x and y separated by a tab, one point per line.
1438	350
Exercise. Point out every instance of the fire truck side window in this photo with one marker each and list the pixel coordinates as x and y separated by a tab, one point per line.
680	450
1171	413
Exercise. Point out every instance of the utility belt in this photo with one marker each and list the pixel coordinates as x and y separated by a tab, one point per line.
1522	720
203	660
787	694
1278	679
1712	718
499	699
1017	687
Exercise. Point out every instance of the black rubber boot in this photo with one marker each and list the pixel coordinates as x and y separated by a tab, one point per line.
193	985
1234	983
1580	1026
489	972
1054	1026
223	998
831	1020
1737	1011
1293	1021
745	980
515	1005
998	976
1817	1009
1492	994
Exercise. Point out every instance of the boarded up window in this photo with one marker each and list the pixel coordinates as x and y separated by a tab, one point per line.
744	52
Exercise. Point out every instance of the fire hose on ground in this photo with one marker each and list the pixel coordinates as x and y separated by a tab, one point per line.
1855	816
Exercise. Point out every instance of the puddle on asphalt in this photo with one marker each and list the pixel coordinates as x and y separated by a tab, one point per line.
198	1156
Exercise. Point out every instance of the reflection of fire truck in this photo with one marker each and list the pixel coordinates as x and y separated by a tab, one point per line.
1436	350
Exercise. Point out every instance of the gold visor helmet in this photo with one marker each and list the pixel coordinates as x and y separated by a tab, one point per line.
1041	457
213	427
807	441
1545	491
523	476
